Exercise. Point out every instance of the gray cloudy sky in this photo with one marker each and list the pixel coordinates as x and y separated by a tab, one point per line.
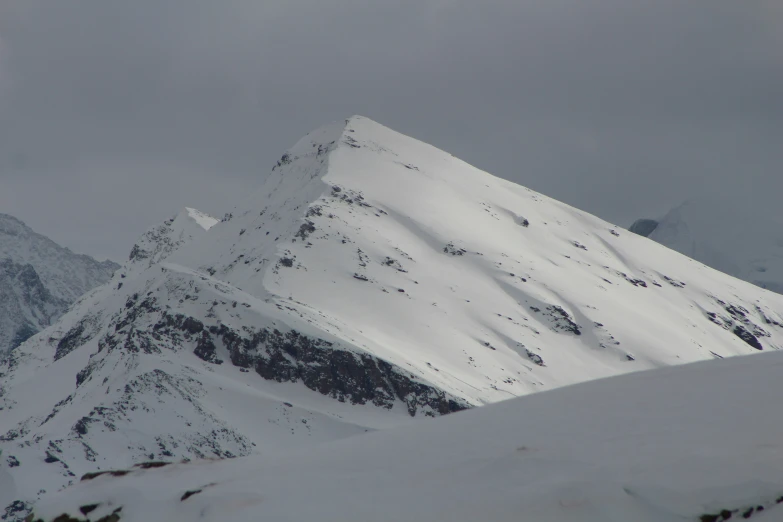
116	113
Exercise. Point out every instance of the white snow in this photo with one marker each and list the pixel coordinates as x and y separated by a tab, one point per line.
204	220
388	249
669	445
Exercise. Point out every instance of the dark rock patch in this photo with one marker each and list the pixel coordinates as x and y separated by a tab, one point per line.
675	284
89	508
151	464
393	263
340	374
15	509
748	337
70	341
454	251
206	349
305	230
82	425
745	512
535	358
189	494
560	319
50	459
113	473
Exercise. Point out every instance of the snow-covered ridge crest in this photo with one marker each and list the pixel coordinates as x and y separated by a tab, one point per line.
370	280
161	240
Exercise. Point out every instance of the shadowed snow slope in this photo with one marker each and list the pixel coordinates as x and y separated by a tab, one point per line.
371	279
700	442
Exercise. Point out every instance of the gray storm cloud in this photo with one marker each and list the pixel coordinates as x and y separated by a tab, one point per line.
115	114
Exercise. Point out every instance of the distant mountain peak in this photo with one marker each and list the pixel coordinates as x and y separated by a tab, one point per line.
725	236
39	279
644	227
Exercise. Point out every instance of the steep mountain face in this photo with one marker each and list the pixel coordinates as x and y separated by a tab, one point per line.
724	236
371	280
669	445
39	280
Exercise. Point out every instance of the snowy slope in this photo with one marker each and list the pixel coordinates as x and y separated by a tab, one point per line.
725	236
39	280
371	279
699	442
160	241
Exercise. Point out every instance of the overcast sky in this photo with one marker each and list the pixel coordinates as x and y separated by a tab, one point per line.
116	113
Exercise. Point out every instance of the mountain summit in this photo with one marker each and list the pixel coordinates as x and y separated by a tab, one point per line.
39	279
370	280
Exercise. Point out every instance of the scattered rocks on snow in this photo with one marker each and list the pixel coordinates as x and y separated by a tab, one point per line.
560	319
534	357
454	251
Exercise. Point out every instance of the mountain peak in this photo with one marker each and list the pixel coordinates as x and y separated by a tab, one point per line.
203	219
371	279
159	241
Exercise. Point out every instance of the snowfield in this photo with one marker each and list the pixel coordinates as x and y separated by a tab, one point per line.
372	281
700	442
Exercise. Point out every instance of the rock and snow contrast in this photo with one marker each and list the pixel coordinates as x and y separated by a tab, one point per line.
724	236
698	443
39	280
370	281
160	241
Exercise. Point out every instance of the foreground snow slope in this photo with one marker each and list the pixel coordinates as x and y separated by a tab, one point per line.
371	279
725	236
669	445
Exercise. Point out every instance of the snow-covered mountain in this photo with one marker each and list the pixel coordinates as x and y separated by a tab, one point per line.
39	280
725	236
371	280
699	443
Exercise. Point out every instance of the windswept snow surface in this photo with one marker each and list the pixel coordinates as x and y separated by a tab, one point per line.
371	279
669	445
